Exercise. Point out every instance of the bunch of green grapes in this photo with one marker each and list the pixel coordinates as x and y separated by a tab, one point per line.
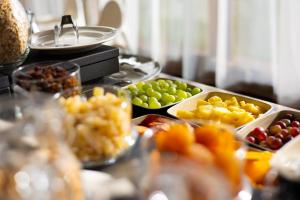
157	93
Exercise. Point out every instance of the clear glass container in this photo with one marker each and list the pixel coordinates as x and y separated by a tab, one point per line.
180	179
34	162
48	77
98	124
14	31
191	171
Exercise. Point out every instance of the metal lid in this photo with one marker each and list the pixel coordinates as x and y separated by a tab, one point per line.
136	68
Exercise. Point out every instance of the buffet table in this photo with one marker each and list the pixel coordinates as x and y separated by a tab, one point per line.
68	133
129	165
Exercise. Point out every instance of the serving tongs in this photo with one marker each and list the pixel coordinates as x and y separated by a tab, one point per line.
59	30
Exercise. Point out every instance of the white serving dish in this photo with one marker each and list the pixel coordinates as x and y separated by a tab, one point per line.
90	37
265	122
191	103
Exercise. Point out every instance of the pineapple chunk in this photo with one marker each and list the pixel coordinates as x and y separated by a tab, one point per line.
185	114
201	102
97	91
214	99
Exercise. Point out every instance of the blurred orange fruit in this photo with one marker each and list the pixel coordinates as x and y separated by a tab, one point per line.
257	165
178	138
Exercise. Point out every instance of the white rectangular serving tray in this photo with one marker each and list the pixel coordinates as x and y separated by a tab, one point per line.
191	103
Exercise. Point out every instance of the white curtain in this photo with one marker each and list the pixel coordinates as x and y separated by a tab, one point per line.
258	43
286	51
244	43
182	31
49	12
240	41
253	42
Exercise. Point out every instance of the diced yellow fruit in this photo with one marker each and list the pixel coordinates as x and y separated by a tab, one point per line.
234	108
219	104
201	102
214	99
205	107
252	108
229	111
242	103
185	114
234	101
227	119
204	112
219	112
97	91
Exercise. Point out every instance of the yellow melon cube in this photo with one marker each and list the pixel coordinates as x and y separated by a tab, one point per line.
185	114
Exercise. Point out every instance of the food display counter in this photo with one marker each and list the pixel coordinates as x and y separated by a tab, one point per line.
92	124
143	135
258	152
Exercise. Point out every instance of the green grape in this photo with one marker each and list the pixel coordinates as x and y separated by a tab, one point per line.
189	94
178	99
167	98
147	86
177	82
154	84
154	105
172	98
144	98
132	88
151	100
133	92
157	95
141	92
181	93
164	90
170	82
172	90
161	81
182	86
173	85
196	90
156	87
150	92
189	90
167	103
137	101
145	105
165	85
140	85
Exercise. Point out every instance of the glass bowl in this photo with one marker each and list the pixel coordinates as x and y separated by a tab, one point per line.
98	125
213	149
34	160
47	77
